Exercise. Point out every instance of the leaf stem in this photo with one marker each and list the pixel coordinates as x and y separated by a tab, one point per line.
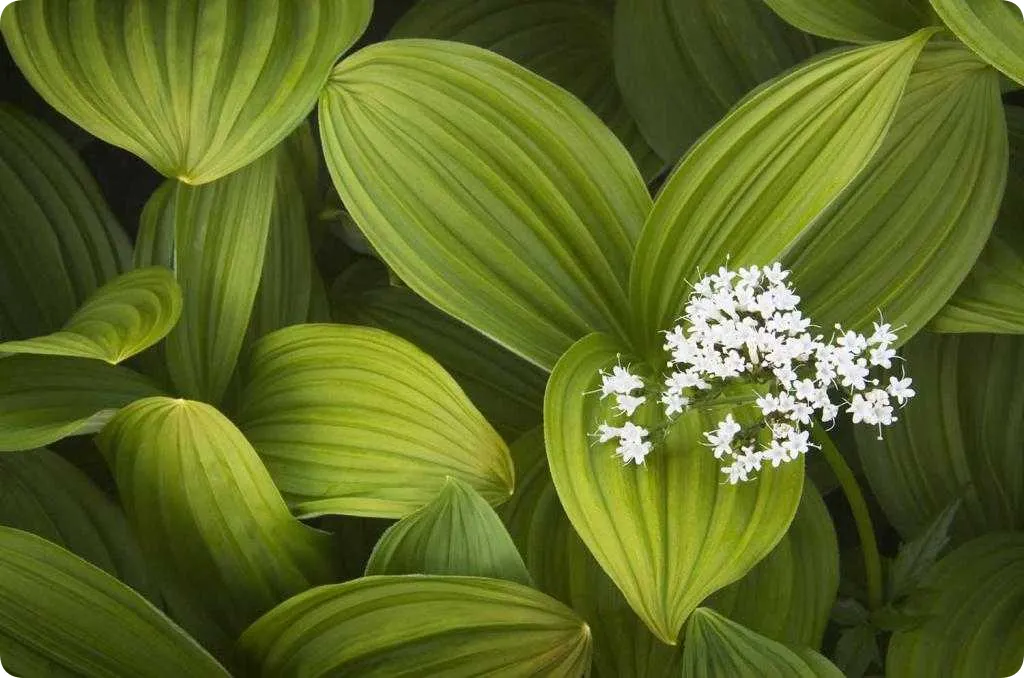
861	516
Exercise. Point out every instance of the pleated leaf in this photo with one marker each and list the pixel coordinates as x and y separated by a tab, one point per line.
419	625
960	438
459	164
763	175
568	42
214	238
717	646
789	595
59	241
856	20
124	317
906	233
456	534
46	398
61	616
973	600
682	66
668	533
43	494
505	388
992	28
196	89
207	513
356	421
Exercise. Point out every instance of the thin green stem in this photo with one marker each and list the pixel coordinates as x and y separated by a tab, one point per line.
859	507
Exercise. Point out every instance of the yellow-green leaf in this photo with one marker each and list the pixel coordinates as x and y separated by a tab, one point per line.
207	513
668	533
458	163
992	28
124	317
972	600
196	89
354	420
379	627
856	20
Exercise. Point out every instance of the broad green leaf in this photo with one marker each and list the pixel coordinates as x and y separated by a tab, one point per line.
497	196
992	28
916	556
973	600
907	231
856	20
569	42
458	533
455	627
214	238
682	66
61	616
505	388
788	596
717	646
46	398
354	420
668	533
762	176
58	240
43	494
857	650
961	437
196	89
207	513
124	317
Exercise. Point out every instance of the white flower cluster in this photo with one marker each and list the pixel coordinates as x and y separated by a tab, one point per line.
744	326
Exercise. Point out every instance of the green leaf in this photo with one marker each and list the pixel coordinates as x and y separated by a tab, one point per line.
505	388
917	555
46	398
788	596
354	420
58	240
907	231
458	533
668	533
59	615
682	66
207	513
717	646
566	41
457	163
419	625
974	604
855	20
124	317
857	651
197	90
992	28
214	238
754	183
43	494
961	437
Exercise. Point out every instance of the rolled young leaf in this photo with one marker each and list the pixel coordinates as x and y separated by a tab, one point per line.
992	28
59	241
682	66
196	89
418	625
46	398
971	601
856	20
495	195
354	420
207	513
755	181
59	615
457	534
668	533
566	41
124	317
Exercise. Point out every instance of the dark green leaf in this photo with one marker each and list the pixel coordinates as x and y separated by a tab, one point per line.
856	20
857	651
920	553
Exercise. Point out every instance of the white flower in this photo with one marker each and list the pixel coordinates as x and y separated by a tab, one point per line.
882	356
883	334
737	472
797	443
776	454
620	381
775	273
802	413
632	434
862	410
900	389
634	452
627	404
606	432
750	458
768	404
853	341
674	403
